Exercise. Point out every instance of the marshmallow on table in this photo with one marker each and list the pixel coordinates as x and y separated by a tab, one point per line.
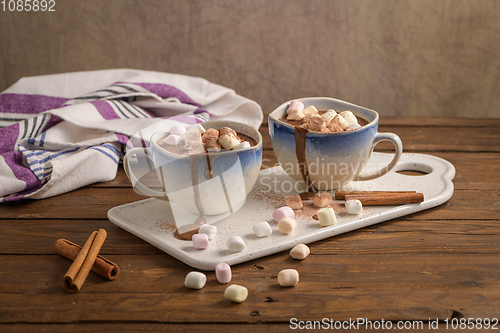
262	229
242	145
316	123
309	112
195	280
235	244
295	105
172	139
353	207
209	230
294	201
300	252
236	293
349	117
229	141
340	122
352	127
200	241
322	199
286	225
282	212
223	272
326	217
288	277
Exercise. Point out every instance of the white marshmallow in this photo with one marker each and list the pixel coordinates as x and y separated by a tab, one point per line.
327	217
209	230
262	229
300	252
228	141
349	117
352	127
294	105
199	127
177	130
328	116
286	225
288	277
235	244
195	280
243	145
353	207
295	115
309	112
236	293
172	139
340	122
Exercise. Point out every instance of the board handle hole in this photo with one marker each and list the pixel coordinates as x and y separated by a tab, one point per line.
413	169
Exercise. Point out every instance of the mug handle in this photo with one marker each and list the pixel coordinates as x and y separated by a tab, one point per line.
133	179
397	156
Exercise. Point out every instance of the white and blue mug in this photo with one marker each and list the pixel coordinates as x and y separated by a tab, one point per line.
329	160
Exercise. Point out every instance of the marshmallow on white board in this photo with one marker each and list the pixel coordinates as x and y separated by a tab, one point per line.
326	217
353	207
262	229
286	225
209	230
235	244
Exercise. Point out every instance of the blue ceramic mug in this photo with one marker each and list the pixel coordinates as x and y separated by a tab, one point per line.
329	161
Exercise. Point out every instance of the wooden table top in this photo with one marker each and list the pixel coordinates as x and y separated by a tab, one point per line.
442	263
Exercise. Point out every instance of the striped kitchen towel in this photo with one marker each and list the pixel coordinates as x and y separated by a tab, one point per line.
61	132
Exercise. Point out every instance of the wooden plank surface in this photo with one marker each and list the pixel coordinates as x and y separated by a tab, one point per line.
439	263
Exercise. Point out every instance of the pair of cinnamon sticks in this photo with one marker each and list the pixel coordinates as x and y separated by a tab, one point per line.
379	198
85	259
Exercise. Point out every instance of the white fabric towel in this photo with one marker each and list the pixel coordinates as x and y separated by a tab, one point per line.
64	131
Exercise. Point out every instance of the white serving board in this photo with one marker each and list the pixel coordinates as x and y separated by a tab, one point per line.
152	219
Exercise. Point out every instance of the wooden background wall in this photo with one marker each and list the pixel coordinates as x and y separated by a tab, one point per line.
400	57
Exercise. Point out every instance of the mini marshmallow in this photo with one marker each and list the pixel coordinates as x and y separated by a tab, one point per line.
349	117
195	280
322	199
326	217
334	128
262	229
199	127
300	252
282	212
353	207
286	225
200	241
294	105
236	293
223	272
328	116
211	132
178	130
340	122
235	244
172	139
352	127
227	130
210	142
316	123
242	145
209	230
295	115
229	141
294	201
309	112
288	277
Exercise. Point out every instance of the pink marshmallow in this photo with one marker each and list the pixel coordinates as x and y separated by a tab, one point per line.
282	212
200	241
294	105
172	140
223	272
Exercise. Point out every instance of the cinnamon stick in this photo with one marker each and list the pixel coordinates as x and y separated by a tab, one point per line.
387	199
77	273
102	266
340	195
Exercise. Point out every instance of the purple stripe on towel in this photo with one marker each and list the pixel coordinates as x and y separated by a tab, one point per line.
14	160
20	103
105	109
166	91
8	137
20	195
